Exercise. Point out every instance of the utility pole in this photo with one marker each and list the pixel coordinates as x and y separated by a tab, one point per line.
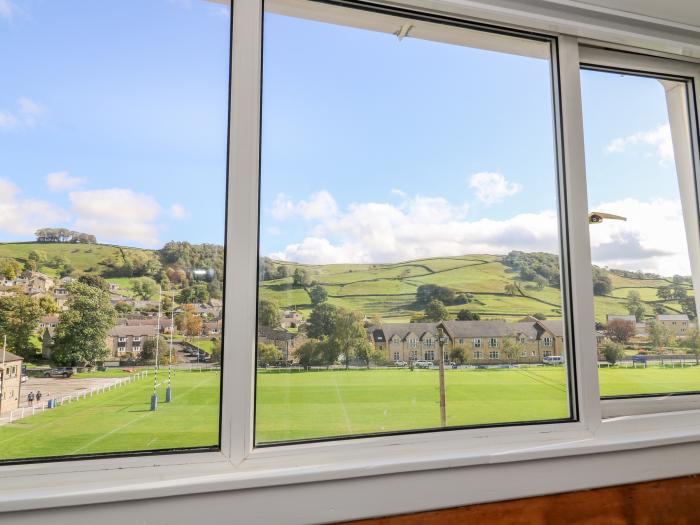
442	340
154	396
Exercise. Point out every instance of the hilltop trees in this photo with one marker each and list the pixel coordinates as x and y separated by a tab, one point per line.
63	235
82	329
602	284
532	265
19	316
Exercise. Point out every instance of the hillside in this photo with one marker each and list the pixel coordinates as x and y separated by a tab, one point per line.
388	290
120	264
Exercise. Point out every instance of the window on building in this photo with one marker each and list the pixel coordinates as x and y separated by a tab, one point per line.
477	354
493	354
407	250
547	341
117	172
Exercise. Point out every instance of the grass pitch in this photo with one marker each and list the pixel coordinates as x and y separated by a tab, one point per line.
120	420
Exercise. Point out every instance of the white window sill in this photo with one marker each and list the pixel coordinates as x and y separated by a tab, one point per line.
42	486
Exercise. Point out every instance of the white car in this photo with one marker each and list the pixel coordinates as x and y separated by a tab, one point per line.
423	364
400	364
553	360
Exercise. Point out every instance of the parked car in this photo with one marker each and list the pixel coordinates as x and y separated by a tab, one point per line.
423	364
553	360
400	363
59	372
639	359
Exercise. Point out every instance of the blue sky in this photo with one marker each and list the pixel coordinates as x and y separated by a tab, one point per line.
113	121
129	96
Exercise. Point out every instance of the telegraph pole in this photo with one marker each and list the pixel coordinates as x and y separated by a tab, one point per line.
441	353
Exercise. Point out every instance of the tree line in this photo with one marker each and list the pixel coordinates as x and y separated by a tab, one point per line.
64	235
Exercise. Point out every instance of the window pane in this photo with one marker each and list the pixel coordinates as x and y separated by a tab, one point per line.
640	171
113	137
408	198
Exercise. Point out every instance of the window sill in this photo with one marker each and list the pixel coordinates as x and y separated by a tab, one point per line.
41	486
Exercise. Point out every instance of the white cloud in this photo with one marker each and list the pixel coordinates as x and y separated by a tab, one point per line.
492	187
417	227
178	211
26	114
8	10
62	181
652	239
658	138
24	216
117	215
320	206
398	192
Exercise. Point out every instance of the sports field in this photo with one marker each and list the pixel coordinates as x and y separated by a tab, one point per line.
304	405
121	420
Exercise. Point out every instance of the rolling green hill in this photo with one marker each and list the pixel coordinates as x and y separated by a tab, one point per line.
388	290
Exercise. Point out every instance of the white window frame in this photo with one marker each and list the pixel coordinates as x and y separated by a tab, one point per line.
476	343
311	481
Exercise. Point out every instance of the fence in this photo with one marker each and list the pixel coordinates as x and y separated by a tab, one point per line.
53	402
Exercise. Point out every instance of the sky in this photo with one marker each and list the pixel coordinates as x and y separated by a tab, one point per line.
113	119
376	149
113	122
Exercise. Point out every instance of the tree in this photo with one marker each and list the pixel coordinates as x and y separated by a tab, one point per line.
19	316
82	329
309	354
660	337
635	305
688	307
511	289
540	282
122	307
94	280
144	288
467	315
512	349
347	334
664	293
436	311
365	352
321	321
188	322
429	292
318	294
48	305
301	278
539	316
268	354
620	331
198	293
692	343
269	313
613	352
216	350
602	284
458	355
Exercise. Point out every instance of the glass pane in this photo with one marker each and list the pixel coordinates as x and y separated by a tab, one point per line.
640	171
113	137
408	199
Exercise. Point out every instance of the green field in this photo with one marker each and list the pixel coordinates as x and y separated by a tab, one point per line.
334	403
306	405
120	420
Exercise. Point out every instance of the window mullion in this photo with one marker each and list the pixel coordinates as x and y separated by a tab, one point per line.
242	230
575	234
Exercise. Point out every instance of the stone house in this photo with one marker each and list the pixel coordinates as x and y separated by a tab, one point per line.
129	339
10	379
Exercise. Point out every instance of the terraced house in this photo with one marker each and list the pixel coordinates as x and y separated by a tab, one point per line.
129	339
492	341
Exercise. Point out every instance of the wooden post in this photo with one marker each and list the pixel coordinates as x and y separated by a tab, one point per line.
441	354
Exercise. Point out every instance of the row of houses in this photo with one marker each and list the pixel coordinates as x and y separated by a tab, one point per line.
482	341
128	335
